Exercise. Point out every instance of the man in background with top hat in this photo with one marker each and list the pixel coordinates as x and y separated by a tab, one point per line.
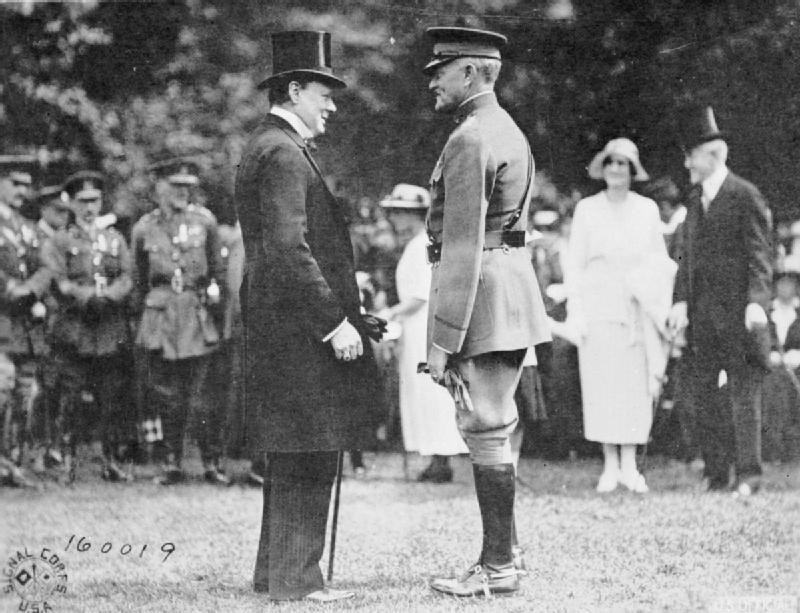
23	282
177	271
485	308
722	292
310	376
90	267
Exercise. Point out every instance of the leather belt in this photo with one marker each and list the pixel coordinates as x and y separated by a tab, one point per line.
494	239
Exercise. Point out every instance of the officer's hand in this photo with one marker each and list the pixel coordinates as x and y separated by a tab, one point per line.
347	343
754	316
775	358
678	317
437	362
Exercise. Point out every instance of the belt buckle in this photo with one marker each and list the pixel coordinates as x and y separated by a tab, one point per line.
177	281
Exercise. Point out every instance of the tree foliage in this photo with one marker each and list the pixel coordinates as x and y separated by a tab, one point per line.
115	85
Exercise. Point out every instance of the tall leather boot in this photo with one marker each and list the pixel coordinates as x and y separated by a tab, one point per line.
495	572
495	486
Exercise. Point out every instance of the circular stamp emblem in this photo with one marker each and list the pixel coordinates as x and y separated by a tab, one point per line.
35	577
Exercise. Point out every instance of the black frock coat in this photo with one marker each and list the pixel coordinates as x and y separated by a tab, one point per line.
725	263
299	285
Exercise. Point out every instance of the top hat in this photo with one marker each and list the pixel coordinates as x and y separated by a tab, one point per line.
699	126
52	194
623	147
450	43
178	171
85	185
301	52
18	168
405	196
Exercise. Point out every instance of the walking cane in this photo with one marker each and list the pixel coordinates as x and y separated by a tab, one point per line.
335	520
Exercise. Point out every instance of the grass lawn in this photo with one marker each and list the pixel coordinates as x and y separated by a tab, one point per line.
676	549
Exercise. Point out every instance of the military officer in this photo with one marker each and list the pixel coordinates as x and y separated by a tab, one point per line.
485	306
52	203
23	283
176	268
91	275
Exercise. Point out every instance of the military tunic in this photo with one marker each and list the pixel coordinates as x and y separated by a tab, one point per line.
91	277
21	333
176	259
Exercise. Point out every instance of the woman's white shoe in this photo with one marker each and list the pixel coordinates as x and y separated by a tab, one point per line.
608	482
634	482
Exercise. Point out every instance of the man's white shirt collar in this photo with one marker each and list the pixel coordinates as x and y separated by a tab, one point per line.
713	183
293	120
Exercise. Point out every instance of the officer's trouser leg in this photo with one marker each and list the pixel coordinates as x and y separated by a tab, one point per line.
164	391
7	376
492	379
109	386
25	391
204	410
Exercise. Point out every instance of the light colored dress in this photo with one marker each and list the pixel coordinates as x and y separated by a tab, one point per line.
427	411
608	241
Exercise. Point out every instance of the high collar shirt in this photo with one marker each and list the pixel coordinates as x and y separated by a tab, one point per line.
293	120
783	315
712	184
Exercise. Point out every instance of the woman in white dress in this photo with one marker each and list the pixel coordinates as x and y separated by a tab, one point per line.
613	232
427	411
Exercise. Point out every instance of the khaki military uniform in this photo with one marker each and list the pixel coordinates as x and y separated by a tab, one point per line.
176	258
89	333
21	331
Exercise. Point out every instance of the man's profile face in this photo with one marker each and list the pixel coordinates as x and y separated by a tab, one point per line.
172	195
87	209
449	86
55	215
700	163
13	192
313	105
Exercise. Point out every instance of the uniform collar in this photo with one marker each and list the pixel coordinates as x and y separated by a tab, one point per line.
46	227
293	120
474	102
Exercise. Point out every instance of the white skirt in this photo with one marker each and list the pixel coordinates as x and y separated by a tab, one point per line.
617	406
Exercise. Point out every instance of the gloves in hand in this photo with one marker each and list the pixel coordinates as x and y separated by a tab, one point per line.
374	327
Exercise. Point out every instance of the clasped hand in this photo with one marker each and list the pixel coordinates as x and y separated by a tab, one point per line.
346	343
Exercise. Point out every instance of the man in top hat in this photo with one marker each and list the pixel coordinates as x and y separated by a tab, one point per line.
722	292
309	370
485	309
23	284
91	273
177	271
427	411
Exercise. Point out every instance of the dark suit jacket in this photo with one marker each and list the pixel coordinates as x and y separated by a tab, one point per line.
726	263
299	284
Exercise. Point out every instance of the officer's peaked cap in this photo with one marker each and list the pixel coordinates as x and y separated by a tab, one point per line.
450	43
178	171
85	185
18	167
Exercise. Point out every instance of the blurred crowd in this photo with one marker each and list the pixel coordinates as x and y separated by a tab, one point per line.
125	333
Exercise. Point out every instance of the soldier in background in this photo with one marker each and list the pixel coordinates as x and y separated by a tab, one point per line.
52	204
176	264
91	274
22	284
